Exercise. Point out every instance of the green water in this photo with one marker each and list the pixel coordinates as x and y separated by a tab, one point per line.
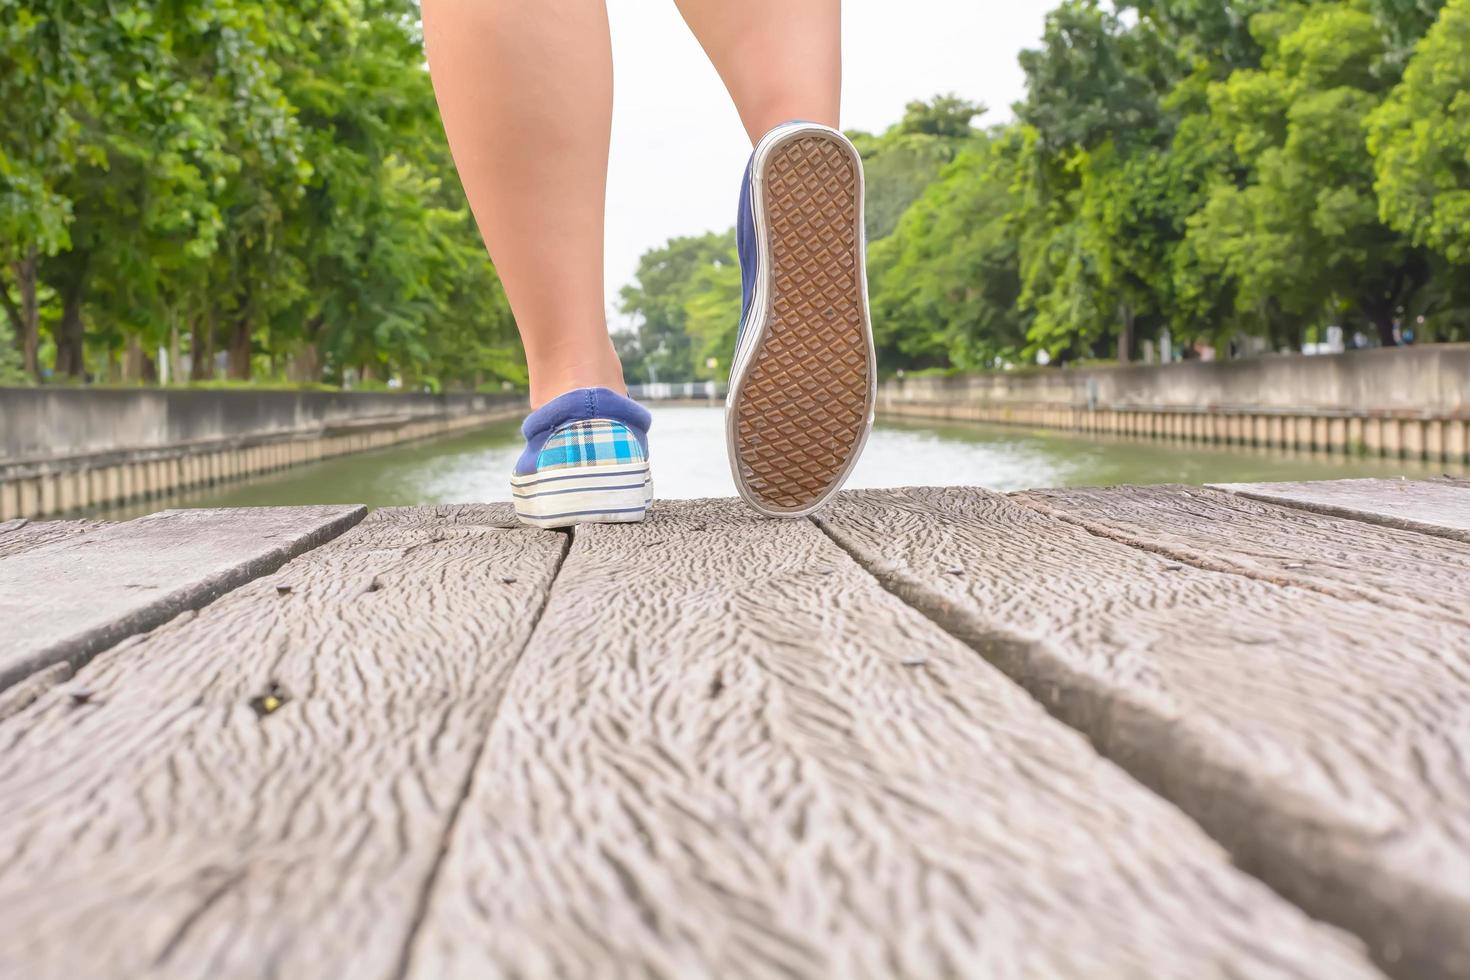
688	450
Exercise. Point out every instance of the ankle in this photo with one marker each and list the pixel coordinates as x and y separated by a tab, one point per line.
547	384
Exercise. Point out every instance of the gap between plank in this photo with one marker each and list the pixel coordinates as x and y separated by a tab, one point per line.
426	894
1001	650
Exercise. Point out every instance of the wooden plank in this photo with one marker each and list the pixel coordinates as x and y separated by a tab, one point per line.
1439	507
1413	573
22	534
1322	741
158	818
66	600
727	751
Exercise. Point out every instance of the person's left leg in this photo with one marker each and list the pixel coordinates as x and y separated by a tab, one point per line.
525	91
802	385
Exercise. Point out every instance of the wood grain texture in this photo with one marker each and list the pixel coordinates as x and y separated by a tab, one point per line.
1402	570
70	598
1439	507
1323	741
160	815
22	534
729	752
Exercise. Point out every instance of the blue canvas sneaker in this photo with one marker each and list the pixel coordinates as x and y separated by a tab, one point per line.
585	462
804	379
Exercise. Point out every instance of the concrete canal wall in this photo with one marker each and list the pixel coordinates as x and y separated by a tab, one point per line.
1405	402
64	449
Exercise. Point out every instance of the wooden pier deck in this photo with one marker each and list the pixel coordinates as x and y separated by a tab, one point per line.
1161	731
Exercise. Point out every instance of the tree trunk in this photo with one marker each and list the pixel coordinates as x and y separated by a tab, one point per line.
240	349
28	331
138	366
201	347
1125	336
1384	325
132	365
17	320
175	353
305	366
71	333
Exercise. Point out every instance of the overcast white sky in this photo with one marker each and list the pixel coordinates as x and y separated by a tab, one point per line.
677	146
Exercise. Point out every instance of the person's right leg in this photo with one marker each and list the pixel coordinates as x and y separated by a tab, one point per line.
525	91
802	385
779	59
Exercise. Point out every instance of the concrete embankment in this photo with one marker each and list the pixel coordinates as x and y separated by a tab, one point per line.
1406	402
64	449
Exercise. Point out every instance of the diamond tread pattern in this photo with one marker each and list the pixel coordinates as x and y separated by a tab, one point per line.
804	401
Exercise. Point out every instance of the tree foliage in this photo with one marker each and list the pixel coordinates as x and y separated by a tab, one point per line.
900	163
260	183
945	283
1296	126
1207	174
1420	139
668	278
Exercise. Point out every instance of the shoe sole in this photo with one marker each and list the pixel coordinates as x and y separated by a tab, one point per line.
608	494
803	388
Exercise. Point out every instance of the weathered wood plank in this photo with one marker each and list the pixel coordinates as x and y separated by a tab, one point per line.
1403	570
727	751
1440	507
156	818
1322	741
66	600
22	534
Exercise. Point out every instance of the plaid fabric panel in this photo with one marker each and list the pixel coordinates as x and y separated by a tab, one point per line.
591	442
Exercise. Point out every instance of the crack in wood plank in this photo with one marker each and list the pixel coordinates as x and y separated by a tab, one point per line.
421	906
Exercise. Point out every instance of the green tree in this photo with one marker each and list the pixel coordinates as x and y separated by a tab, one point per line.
1213	35
1092	104
269	179
1420	140
906	158
46	84
1297	126
712	316
1092	80
1403	22
944	285
667	279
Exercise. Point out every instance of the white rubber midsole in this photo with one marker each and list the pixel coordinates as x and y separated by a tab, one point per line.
607	494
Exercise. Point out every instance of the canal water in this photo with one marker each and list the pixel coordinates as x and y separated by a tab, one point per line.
688	450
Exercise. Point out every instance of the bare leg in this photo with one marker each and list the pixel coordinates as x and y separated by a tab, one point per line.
525	90
780	59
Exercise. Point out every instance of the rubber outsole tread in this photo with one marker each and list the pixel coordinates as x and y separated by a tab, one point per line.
804	404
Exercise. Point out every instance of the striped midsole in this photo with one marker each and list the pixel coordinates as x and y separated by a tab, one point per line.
593	493
579	474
